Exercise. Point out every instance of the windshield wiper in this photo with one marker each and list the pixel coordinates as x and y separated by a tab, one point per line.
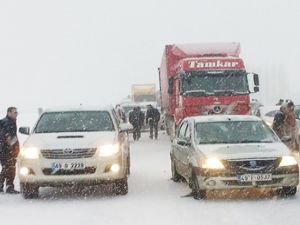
202	92
230	92
213	142
254	141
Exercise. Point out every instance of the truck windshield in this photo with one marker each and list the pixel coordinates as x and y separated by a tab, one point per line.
234	132
218	83
82	121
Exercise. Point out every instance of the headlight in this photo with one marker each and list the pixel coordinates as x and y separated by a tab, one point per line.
30	153
212	163
109	150
288	161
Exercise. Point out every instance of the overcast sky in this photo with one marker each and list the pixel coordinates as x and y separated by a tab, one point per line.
67	52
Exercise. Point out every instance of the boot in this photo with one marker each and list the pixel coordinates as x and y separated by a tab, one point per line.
11	190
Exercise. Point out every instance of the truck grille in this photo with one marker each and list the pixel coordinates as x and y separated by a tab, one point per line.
68	153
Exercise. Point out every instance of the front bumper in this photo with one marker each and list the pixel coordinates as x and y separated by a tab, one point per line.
96	171
222	180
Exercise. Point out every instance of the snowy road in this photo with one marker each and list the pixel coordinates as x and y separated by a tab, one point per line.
153	199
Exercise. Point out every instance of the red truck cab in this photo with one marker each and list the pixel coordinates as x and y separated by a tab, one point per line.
203	79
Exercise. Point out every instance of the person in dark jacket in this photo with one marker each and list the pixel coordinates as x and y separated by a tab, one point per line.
290	126
9	150
152	117
136	118
278	122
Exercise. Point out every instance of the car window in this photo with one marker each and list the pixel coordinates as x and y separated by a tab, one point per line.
116	118
297	112
187	135
234	132
182	130
75	121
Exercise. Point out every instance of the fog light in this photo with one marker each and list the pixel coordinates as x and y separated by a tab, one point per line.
115	168
24	171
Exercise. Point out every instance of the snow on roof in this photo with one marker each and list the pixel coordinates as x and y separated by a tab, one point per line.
133	104
221	118
78	108
230	49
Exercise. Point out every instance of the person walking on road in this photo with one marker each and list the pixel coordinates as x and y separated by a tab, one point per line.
285	126
278	122
9	150
152	117
290	127
136	118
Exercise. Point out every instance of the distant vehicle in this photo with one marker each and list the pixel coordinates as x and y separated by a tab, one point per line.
128	107
202	79
297	112
143	93
230	152
75	146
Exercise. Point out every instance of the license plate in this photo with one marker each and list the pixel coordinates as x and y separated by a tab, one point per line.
67	166
254	177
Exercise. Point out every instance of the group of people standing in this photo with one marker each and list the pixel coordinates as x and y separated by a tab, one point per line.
285	125
137	119
9	150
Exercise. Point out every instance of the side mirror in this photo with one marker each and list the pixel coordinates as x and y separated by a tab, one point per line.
170	85
256	79
125	127
256	89
24	130
184	143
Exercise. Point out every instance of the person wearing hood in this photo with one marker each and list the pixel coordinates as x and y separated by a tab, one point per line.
9	150
278	122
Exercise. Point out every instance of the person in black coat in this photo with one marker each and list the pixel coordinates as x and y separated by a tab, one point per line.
9	150
136	118
152	117
278	122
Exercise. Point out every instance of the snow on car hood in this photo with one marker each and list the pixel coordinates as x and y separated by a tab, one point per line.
240	151
70	140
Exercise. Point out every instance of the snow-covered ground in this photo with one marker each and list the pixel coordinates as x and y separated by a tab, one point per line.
152	199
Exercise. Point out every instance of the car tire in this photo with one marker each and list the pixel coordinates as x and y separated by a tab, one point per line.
29	191
175	176
121	187
197	193
288	191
